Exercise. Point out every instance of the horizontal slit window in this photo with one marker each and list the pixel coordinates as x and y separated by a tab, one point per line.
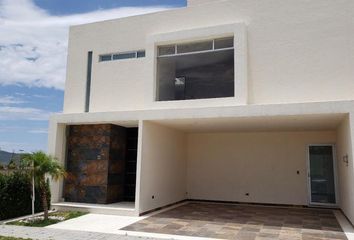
120	56
224	43
167	50
195	47
140	54
104	58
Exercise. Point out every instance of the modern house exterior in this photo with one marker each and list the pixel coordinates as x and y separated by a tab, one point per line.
223	100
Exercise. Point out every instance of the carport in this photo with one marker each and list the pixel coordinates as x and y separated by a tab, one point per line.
257	160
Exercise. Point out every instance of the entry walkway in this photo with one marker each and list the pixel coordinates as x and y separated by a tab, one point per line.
59	234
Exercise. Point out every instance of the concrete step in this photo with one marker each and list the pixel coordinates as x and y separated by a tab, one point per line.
120	209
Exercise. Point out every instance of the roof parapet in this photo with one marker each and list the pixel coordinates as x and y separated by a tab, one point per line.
200	2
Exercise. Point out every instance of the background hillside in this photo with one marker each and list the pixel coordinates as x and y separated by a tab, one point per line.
5	157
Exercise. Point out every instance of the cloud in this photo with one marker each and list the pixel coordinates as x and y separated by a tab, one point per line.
8	100
23	129
38	131
10	112
14	146
23	113
10	128
40	96
33	43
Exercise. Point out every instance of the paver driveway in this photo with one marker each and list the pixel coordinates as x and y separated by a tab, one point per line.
243	222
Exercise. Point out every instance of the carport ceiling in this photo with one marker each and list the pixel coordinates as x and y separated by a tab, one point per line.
266	123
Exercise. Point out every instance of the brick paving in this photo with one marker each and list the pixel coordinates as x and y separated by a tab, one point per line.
58	234
241	222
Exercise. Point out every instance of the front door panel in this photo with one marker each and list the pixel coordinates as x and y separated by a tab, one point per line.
321	174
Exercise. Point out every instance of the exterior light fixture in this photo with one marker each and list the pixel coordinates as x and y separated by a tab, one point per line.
346	160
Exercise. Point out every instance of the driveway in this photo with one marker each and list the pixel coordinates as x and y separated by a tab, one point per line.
227	221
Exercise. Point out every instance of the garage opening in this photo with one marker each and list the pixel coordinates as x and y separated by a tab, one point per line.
237	160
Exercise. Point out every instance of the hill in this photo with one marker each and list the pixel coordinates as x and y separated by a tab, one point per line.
5	157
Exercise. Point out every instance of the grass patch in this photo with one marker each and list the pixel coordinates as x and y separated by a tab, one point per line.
67	214
34	222
12	238
54	217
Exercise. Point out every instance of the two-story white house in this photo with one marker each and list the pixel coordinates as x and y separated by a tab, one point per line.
223	100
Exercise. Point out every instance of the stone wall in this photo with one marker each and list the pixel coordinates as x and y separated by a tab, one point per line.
95	163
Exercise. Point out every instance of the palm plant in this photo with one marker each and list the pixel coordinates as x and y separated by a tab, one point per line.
43	165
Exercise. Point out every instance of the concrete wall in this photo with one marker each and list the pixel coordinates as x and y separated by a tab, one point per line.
302	48
226	166
346	171
57	148
198	2
163	167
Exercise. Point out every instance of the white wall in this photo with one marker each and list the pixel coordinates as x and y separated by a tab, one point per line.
226	166
57	148
346	173
163	166
198	2
302	48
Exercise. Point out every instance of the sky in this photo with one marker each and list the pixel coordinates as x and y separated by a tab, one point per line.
33	52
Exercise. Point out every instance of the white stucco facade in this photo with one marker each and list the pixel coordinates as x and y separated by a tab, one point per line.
293	88
307	56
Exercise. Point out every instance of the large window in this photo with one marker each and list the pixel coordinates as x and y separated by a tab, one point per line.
196	70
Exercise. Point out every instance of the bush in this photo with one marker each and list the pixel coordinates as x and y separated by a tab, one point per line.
15	195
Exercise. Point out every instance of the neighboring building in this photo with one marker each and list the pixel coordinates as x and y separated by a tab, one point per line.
238	101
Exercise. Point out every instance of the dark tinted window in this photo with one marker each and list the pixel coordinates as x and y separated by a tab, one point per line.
196	76
166	50
224	43
124	56
104	58
140	54
195	47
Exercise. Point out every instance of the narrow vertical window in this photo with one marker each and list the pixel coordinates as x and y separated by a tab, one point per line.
88	81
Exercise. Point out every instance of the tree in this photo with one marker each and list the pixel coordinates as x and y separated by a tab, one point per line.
43	165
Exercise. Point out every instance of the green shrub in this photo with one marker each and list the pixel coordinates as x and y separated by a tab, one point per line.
15	195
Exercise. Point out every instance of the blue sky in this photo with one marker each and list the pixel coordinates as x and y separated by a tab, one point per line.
64	7
33	50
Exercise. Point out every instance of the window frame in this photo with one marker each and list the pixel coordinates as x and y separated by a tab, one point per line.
237	29
191	54
213	49
121	53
